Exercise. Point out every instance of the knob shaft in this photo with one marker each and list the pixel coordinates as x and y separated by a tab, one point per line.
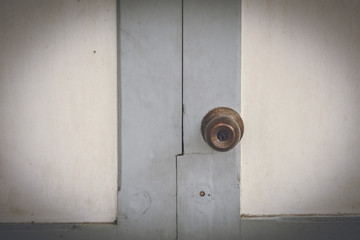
222	128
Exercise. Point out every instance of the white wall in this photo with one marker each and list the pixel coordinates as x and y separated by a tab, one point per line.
301	107
58	130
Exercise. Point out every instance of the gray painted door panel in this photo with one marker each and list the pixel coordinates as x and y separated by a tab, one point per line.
215	215
211	79
151	109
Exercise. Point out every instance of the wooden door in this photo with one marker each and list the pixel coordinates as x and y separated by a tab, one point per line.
178	61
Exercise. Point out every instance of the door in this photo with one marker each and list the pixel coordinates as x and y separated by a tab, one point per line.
211	77
178	61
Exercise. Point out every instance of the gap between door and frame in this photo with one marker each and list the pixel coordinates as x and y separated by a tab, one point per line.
182	116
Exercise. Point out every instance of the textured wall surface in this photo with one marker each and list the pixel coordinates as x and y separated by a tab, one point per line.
58	130
300	104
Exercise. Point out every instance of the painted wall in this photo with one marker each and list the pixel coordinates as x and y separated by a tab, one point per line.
58	120
301	107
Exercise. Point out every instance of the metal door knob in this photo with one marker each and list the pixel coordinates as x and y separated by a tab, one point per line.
222	128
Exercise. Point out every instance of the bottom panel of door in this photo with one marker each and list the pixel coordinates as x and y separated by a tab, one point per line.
208	196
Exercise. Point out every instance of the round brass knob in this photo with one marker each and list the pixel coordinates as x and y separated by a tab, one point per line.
222	128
